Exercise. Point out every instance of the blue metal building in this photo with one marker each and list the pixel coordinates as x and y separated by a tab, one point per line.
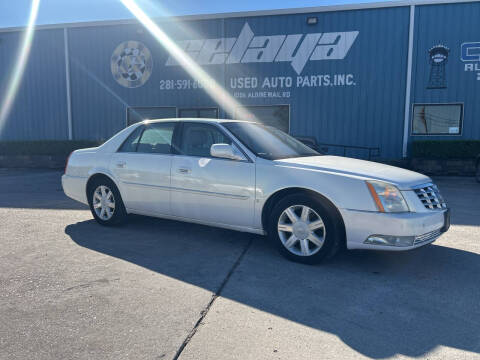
377	76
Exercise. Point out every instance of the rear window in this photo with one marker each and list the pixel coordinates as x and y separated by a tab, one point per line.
130	144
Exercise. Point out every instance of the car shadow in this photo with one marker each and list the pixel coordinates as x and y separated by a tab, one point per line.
380	304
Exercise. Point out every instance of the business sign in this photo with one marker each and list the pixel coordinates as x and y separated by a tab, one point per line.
470	55
296	49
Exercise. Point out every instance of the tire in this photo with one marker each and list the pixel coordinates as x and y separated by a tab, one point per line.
303	247
102	194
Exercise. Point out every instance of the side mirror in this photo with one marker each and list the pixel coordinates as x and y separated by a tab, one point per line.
226	151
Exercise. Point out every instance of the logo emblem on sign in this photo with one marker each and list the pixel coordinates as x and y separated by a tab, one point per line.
297	49
470	55
131	64
470	51
438	58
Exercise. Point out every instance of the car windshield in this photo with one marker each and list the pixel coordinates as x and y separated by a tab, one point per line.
268	142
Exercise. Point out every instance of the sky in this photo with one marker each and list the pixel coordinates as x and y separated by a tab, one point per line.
15	12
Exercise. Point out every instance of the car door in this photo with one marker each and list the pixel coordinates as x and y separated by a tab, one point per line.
142	165
211	189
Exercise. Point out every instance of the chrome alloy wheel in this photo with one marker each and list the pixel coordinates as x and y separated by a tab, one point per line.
301	230
103	202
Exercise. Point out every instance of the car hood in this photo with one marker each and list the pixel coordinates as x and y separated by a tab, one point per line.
369	170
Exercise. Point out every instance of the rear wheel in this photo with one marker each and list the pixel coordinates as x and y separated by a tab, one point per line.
105	202
305	229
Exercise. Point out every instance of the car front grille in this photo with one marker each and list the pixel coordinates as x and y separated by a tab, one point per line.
427	237
430	197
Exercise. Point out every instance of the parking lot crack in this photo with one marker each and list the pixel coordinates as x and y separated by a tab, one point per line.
102	281
218	293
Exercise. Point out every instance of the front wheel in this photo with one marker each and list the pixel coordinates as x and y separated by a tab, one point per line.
306	229
106	203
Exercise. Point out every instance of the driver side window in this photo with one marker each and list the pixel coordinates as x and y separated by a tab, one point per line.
198	138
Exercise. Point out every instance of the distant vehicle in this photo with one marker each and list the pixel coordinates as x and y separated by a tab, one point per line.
477	168
249	177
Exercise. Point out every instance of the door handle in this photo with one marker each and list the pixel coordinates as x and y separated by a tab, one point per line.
184	170
121	164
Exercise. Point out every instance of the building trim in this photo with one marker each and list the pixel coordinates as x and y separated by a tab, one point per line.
408	85
290	11
67	85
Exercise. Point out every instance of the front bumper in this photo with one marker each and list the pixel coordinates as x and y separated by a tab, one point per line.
425	227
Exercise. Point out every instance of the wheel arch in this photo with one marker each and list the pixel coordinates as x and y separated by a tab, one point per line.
98	175
274	198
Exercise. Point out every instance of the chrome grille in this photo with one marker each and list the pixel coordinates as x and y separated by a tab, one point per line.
430	197
426	237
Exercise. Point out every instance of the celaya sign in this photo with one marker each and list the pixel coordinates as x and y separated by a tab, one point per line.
297	49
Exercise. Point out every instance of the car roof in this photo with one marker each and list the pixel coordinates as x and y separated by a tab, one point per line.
205	120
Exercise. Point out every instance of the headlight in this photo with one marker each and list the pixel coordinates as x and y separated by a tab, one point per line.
387	197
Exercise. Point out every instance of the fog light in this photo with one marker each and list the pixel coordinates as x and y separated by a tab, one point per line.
389	240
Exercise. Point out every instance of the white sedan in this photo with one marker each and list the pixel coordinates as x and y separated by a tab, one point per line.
250	177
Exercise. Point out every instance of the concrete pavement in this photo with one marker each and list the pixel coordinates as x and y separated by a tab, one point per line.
158	289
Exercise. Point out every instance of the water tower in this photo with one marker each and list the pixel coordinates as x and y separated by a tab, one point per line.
438	58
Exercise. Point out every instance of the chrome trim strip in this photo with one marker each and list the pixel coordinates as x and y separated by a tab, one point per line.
200	192
210	193
146	185
430	236
421	186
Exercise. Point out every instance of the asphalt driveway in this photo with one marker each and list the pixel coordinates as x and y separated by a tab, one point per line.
158	289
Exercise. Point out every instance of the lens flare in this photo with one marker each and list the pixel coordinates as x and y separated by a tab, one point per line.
102	84
95	78
19	69
216	92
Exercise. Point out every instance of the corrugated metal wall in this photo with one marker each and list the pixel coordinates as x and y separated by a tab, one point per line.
369	112
39	110
99	103
451	25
